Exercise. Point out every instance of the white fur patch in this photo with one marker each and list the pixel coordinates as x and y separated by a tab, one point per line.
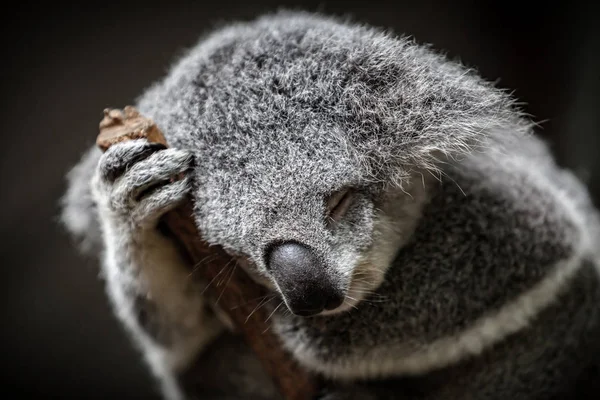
155	267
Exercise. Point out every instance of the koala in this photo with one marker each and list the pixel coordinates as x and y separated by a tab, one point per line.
418	238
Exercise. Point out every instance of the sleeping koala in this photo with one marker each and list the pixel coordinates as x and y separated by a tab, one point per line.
419	241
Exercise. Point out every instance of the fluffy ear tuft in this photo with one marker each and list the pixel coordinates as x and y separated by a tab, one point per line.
413	108
78	212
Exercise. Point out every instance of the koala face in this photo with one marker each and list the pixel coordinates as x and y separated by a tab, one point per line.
313	228
301	218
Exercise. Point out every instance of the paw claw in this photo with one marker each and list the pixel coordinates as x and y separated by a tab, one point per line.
120	157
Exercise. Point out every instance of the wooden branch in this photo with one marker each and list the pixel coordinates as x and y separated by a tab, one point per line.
242	295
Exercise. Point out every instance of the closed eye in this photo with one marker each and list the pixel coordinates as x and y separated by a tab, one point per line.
338	204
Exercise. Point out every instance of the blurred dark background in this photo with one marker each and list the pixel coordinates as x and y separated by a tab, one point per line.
63	65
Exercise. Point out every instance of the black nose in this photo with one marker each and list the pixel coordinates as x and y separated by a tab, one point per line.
303	280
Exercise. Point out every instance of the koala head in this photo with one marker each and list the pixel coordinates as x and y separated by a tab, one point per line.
308	134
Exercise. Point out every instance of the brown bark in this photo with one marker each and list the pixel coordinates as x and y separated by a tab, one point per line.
241	296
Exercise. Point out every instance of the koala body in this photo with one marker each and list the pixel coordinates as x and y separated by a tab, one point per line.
419	241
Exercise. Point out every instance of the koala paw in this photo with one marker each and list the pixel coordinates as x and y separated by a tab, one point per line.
137	181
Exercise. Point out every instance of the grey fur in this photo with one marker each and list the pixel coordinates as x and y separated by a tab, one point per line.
79	212
469	258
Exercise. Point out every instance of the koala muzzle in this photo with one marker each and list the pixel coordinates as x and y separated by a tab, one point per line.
303	279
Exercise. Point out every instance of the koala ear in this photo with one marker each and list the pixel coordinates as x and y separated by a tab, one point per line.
78	211
431	111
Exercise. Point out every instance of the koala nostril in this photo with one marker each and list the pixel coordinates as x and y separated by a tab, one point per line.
314	301
334	301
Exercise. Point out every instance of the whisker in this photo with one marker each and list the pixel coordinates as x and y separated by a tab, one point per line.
275	310
373	297
351	305
248	301
213	279
227	283
375	301
370	294
200	263
225	277
359	274
259	305
363	280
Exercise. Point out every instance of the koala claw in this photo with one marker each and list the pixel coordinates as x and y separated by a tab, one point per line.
139	181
